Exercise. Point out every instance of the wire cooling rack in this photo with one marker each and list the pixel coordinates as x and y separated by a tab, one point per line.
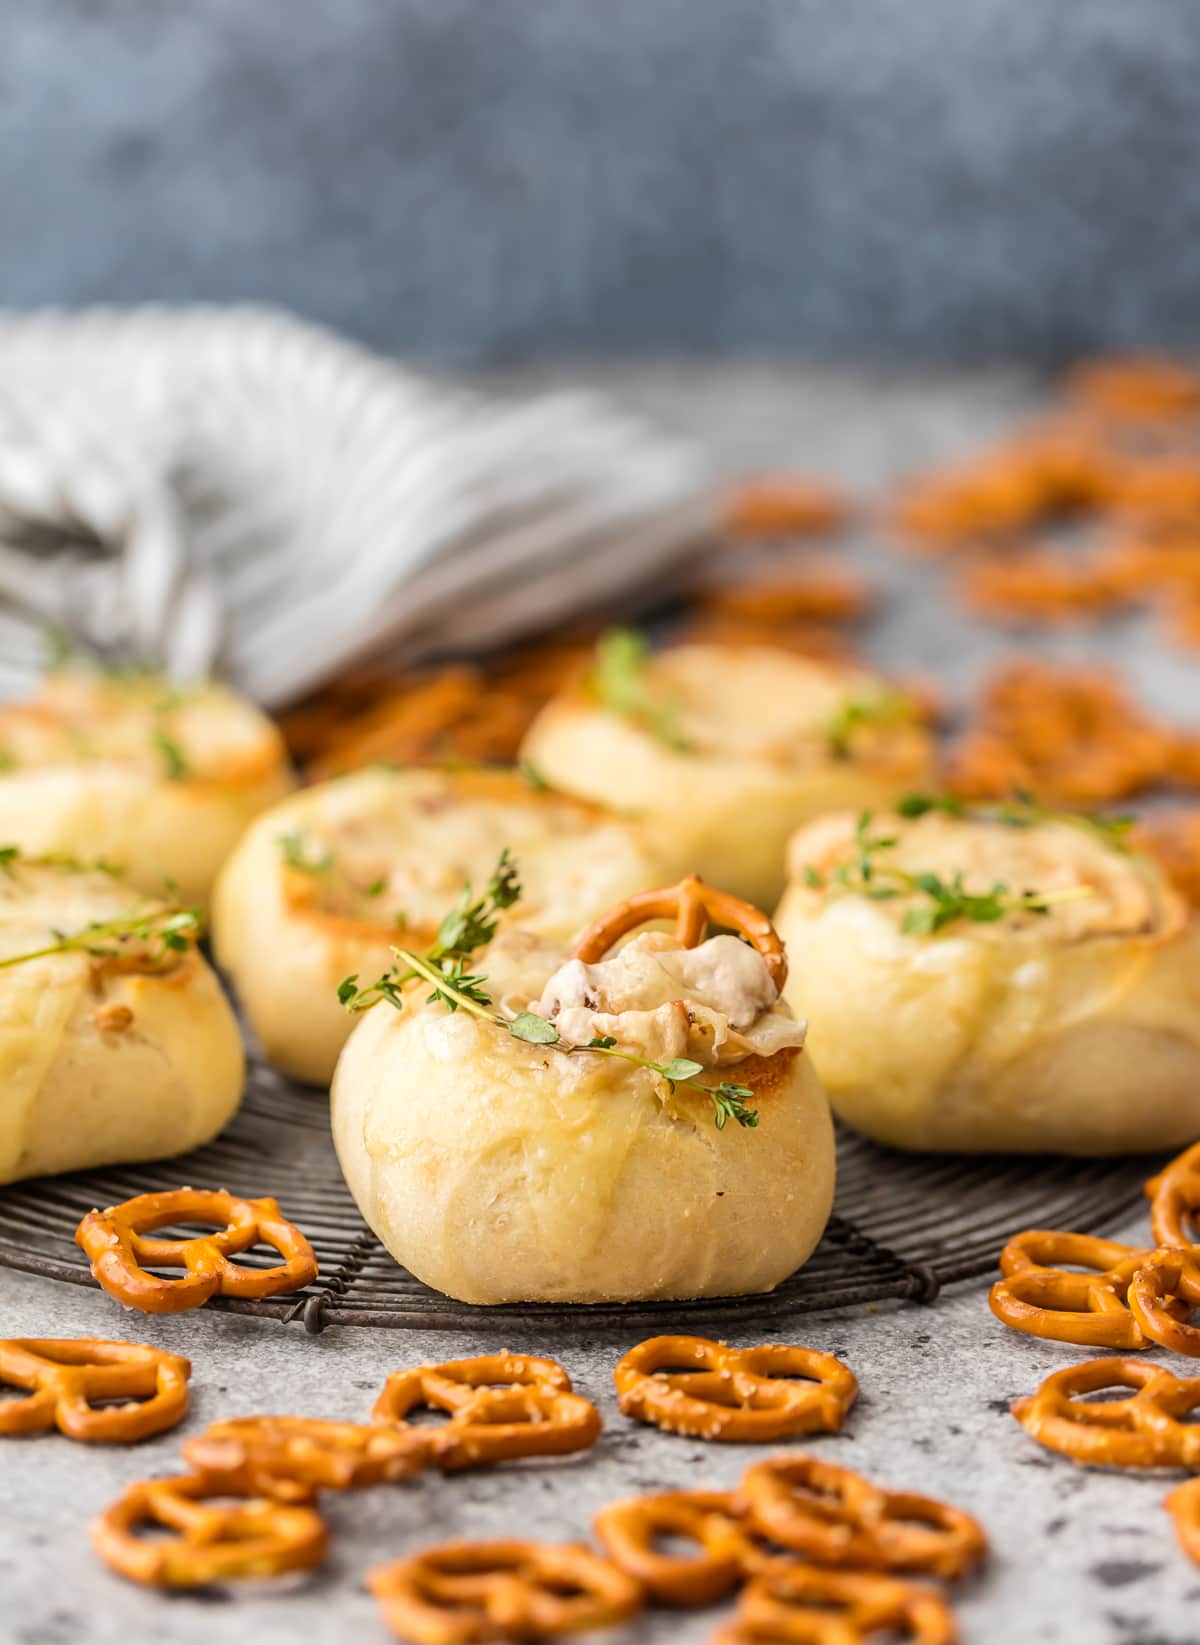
903	1224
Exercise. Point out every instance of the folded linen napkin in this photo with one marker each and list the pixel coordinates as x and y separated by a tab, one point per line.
234	491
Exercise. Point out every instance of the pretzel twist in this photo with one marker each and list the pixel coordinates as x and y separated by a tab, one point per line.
115	1243
831	1516
1143	1431
1163	1293
1174	1196
465	1591
689	1385
1045	1300
818	1607
501	1407
1183	1505
629	1531
215	1542
66	1376
288	1458
693	906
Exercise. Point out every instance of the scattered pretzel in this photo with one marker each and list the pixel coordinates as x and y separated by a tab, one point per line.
630	1529
1143	1431
1174	1196
501	1407
65	1376
782	506
817	1607
1183	1505
215	1543
465	1591
289	1457
1044	1300
831	1516
693	906
1162	1294
120	1255
689	1385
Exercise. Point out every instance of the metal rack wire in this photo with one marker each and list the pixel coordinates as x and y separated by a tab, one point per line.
903	1226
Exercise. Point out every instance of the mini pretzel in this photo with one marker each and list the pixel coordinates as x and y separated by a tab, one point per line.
1144	1431
1174	1196
467	1591
815	1607
689	1385
1183	1505
217	1543
120	1255
1163	1292
65	1377
693	906
630	1529
831	1516
501	1407
1048	1301
288	1457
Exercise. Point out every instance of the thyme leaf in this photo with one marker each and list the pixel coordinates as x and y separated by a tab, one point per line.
618	681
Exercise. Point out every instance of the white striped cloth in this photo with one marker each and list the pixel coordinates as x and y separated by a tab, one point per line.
233	491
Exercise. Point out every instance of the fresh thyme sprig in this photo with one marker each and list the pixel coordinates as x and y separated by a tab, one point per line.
173	757
472	925
295	852
172	930
884	708
945	900
1022	811
618	680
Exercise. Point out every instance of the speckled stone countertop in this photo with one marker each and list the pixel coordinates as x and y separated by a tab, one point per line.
1084	1557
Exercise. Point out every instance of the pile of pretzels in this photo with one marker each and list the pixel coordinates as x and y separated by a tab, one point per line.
1118	1297
814	1551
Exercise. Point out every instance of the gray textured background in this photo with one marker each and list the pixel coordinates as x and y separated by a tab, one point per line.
484	178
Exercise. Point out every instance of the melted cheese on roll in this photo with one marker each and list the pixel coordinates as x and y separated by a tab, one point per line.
129	1052
724	750
323	885
1027	984
502	1171
158	780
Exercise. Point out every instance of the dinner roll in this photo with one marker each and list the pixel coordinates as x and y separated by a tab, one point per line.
325	883
125	1052
501	1170
157	779
724	750
1006	980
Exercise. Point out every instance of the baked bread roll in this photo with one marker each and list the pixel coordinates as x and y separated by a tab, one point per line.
948	1012
156	779
323	885
501	1161
116	1047
725	750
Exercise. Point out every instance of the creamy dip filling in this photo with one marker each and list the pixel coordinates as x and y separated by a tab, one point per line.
715	1003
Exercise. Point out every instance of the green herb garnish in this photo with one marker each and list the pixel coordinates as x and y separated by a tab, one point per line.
471	926
171	930
882	708
173	758
618	680
942	901
295	852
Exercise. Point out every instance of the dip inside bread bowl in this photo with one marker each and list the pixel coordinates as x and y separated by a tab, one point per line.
588	1125
116	1042
995	980
724	750
157	779
324	884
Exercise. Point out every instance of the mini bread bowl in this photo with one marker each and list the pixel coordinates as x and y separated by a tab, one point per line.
323	885
724	750
156	779
1066	1025
501	1157
116	1042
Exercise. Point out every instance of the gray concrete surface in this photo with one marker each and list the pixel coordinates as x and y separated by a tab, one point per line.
1087	1558
482	179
